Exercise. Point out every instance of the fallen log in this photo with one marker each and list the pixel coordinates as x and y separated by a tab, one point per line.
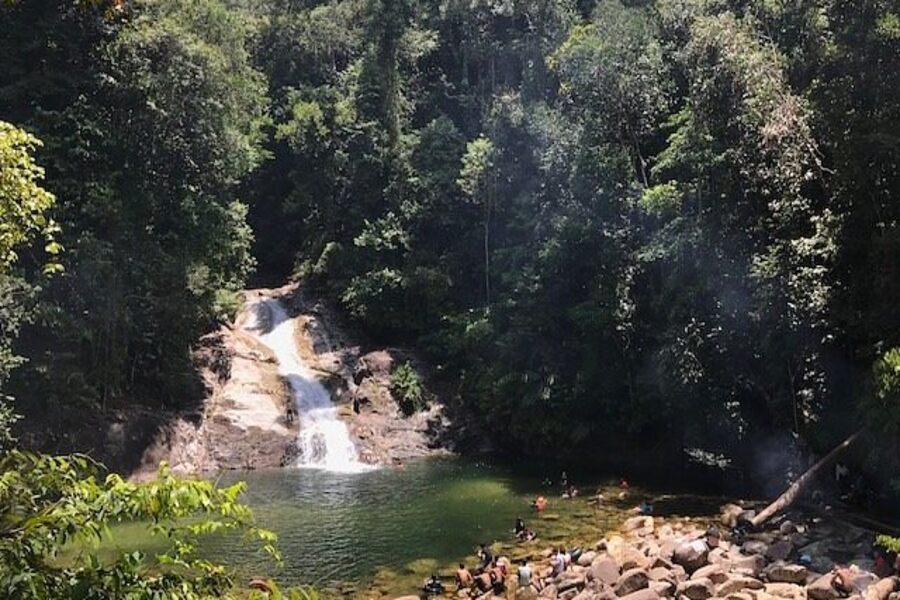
797	488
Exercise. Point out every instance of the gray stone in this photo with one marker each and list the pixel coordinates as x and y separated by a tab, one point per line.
691	555
631	581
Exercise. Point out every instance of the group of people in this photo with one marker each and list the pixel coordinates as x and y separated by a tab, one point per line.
490	575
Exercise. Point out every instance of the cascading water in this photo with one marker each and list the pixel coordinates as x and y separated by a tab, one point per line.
324	441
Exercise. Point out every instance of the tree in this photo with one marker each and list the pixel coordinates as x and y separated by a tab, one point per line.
475	180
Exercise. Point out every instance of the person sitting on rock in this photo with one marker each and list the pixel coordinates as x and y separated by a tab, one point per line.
433	587
464	579
524	575
483	582
485	556
498	578
519	528
557	563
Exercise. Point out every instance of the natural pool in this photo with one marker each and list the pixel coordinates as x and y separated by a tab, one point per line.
385	530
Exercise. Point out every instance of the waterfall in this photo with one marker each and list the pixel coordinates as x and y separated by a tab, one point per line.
324	441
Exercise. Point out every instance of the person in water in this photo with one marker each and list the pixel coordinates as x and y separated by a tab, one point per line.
464	579
539	504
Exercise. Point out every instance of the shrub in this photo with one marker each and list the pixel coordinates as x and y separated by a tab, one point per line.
407	388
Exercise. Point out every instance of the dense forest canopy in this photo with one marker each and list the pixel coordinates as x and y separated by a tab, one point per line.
663	223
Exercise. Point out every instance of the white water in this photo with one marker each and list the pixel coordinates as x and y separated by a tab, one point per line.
324	441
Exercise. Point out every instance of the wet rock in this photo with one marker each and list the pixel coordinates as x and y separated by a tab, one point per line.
696	589
786	573
691	555
631	581
737	583
714	573
605	569
789	591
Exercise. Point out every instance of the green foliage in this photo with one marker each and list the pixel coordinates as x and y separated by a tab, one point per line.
24	204
882	407
888	543
50	502
407	388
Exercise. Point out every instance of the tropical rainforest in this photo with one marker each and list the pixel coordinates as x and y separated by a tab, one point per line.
661	224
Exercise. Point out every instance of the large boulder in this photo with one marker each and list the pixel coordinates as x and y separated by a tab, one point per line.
696	589
549	592
786	573
625	555
605	569
691	555
822	588
755	547
631	581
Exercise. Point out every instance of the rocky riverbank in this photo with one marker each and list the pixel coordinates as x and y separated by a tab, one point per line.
649	558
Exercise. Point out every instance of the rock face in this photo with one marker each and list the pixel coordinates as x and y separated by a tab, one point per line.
247	419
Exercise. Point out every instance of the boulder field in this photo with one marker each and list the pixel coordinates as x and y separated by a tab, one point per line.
656	559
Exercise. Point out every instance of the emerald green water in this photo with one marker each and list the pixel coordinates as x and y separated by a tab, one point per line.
385	530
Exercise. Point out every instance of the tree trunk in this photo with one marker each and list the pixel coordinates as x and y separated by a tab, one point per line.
799	486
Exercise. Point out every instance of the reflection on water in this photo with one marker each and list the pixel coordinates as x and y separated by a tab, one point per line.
339	527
